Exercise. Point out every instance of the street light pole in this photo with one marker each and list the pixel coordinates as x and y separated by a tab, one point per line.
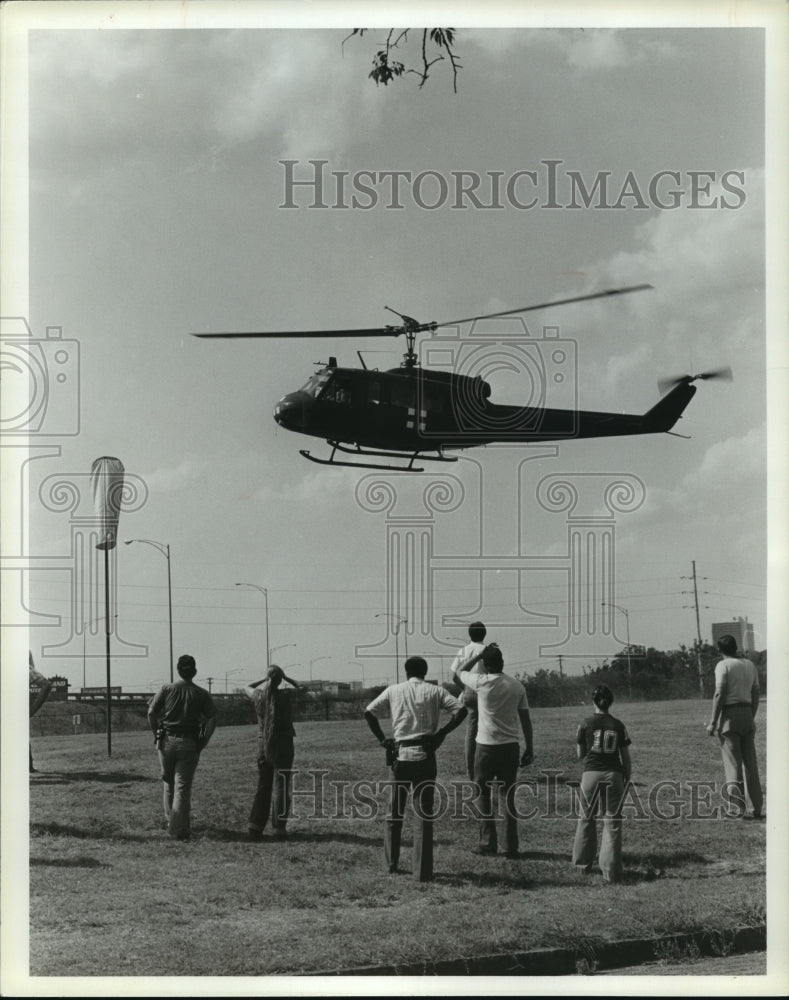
264	592
284	645
315	661
400	621
355	663
165	550
627	627
229	673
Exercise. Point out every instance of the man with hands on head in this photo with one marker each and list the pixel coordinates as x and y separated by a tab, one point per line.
275	752
503	717
415	708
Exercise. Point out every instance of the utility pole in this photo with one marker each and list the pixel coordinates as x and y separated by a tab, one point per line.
698	627
210	682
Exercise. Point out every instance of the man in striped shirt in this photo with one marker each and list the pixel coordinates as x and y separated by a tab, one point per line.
415	708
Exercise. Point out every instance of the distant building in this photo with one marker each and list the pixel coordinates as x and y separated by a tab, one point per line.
328	687
59	690
740	628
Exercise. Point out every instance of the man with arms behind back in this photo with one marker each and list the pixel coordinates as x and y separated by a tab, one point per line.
734	706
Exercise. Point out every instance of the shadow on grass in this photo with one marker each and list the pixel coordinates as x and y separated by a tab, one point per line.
67	863
294	837
96	833
70	777
660	861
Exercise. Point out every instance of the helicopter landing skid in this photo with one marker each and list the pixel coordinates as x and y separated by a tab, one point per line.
361	452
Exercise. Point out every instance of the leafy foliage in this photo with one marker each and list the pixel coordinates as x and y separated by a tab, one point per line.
436	45
638	673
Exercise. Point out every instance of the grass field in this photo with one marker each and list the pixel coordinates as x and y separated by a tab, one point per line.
111	895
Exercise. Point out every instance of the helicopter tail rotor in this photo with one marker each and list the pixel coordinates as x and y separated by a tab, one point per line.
669	382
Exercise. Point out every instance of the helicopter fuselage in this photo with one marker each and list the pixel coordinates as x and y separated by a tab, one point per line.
411	409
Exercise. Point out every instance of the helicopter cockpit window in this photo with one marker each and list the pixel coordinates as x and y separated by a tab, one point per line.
315	384
337	391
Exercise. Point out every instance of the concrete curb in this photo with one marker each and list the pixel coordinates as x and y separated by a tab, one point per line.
585	957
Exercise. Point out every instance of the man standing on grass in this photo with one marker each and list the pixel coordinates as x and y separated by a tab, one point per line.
183	718
40	688
503	716
415	708
275	753
476	633
734	706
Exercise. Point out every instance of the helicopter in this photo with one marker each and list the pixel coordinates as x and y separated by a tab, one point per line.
411	413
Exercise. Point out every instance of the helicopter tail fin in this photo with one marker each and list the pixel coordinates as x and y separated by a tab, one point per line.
667	412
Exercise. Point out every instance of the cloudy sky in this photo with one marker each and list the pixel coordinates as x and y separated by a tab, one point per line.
156	194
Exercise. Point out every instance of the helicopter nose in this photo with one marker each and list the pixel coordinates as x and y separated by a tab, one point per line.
290	412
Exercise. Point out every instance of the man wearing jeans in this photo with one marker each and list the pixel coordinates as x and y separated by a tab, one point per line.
734	706
503	716
415	708
183	718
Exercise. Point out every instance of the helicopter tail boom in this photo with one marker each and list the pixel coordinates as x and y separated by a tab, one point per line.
665	413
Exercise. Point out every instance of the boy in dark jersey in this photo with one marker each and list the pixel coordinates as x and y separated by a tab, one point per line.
602	743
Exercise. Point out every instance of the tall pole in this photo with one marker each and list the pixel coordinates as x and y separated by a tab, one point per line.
627	624
264	592
107	636
165	551
315	661
698	630
170	610
629	674
400	621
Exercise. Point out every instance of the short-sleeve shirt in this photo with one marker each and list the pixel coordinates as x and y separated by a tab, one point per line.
468	652
499	699
414	707
602	737
283	712
182	707
739	677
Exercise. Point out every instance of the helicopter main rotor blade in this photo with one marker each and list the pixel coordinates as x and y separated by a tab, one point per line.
542	305
387	331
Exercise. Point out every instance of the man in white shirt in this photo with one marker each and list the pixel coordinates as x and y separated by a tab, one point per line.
415	710
734	706
476	633
503	716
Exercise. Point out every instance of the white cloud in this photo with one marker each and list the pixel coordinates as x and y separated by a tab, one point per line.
168	479
585	49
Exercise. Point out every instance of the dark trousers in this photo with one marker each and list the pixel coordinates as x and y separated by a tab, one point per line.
419	777
497	763
272	797
472	720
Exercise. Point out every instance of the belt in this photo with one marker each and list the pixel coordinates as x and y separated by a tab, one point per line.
194	733
739	704
417	741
